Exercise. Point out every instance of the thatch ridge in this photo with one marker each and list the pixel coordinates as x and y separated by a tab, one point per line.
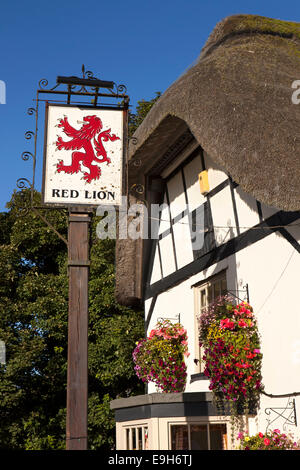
250	24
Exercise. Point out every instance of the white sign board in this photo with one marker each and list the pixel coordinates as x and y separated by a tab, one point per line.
83	157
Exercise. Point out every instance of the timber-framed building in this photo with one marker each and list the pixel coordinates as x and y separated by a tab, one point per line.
232	117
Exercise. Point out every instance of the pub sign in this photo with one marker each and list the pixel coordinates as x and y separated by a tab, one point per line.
83	155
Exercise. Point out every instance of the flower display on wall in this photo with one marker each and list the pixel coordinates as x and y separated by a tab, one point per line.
159	358
229	335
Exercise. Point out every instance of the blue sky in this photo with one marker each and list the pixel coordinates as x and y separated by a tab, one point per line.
144	44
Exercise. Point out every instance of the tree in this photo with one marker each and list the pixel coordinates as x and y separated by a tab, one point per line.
142	109
33	325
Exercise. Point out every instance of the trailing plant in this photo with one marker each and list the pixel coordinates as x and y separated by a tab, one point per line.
229	335
159	358
271	440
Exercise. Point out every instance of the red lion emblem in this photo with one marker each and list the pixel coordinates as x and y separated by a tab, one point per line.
82	139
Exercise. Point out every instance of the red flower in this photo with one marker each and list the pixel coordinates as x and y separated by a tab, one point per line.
227	324
266	441
261	435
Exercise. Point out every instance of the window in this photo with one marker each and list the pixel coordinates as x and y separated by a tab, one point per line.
206	293
137	438
198	436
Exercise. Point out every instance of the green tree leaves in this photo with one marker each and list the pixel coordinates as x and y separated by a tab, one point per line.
142	109
34	325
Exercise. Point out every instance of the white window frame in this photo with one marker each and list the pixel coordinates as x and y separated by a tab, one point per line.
206	423
204	286
132	430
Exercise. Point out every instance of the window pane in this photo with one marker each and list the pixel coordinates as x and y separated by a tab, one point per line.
218	436
199	439
179	437
140	438
210	294
145	438
127	439
134	439
203	298
224	286
217	287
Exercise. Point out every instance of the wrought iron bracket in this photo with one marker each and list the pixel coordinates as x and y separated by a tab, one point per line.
288	413
236	294
90	87
137	188
133	140
176	318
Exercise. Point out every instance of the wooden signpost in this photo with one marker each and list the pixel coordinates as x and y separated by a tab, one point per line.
84	154
77	380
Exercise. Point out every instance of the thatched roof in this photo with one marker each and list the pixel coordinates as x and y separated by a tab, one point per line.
237	103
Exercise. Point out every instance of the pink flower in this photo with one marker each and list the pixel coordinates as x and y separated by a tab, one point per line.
242	324
181	331
227	324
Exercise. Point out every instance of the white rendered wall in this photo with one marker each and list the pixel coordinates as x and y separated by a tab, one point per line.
271	269
261	266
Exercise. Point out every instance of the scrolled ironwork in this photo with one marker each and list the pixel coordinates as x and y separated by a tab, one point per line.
287	413
176	318
133	140
26	155
23	212
89	74
138	188
23	182
29	135
31	111
136	163
121	89
43	83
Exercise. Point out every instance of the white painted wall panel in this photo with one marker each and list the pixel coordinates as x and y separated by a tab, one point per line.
223	216
183	245
271	268
216	175
246	209
156	271
164	217
191	172
167	255
176	195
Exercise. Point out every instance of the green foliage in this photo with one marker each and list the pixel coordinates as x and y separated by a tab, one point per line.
270	25
33	326
142	109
